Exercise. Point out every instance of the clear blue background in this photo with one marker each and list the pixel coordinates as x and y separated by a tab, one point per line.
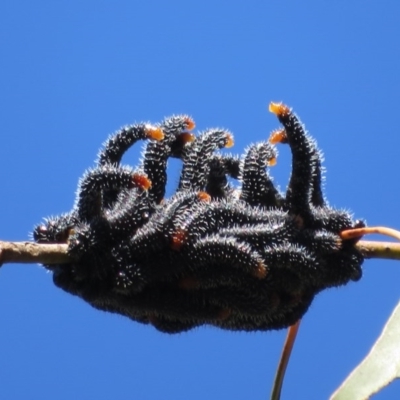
73	72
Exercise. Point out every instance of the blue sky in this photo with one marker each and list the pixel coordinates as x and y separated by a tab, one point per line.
74	72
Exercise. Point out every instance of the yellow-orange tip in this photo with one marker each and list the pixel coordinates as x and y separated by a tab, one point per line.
272	162
187	137
278	109
204	196
154	132
141	181
278	136
190	123
229	141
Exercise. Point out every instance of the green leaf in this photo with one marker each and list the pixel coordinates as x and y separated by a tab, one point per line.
380	367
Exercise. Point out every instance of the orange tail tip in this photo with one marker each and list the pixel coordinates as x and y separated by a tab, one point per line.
279	109
278	136
271	162
274	300
229	141
261	271
204	196
154	132
152	319
141	181
178	239
187	137
223	314
189	283
190	123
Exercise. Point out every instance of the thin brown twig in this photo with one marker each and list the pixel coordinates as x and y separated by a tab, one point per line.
283	362
32	253
375	249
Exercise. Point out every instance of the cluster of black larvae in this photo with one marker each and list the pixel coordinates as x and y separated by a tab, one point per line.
247	258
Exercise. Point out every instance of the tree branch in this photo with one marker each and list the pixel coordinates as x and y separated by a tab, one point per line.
385	250
33	253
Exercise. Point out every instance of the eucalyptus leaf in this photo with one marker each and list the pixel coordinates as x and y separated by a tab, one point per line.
379	368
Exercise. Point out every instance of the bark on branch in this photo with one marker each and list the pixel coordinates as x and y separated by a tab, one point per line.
385	250
33	253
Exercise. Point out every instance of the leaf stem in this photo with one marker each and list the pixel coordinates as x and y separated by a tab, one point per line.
283	362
